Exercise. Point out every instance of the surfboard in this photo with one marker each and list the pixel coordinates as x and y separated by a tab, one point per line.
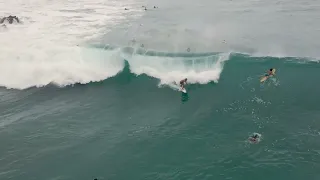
183	90
264	78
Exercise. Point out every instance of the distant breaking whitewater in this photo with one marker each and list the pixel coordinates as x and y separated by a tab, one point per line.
82	65
85	65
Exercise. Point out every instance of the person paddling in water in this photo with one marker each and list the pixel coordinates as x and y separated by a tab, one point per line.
270	72
266	76
183	83
254	138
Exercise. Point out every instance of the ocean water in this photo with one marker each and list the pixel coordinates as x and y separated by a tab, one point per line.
85	90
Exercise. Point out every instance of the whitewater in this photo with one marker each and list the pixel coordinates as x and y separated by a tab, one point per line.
47	47
56	43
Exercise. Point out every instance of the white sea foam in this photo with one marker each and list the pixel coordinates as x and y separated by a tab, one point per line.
44	48
168	69
69	66
47	47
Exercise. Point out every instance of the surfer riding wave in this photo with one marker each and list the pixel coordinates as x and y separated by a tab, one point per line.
183	83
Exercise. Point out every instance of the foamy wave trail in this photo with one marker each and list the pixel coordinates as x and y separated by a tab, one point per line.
63	66
202	69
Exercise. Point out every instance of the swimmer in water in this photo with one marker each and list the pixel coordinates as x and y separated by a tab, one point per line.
254	138
269	73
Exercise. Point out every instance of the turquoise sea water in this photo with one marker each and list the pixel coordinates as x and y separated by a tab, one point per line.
68	121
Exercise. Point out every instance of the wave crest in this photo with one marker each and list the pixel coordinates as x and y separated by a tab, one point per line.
71	65
63	67
168	69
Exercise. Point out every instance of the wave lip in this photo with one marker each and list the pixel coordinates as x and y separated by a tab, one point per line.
168	69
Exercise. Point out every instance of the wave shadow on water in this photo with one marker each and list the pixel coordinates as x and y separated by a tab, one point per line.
184	97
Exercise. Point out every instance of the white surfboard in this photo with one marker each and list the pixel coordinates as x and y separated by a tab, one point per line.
183	90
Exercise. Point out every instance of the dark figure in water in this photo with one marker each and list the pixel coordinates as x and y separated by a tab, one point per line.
270	72
254	138
10	19
126	9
